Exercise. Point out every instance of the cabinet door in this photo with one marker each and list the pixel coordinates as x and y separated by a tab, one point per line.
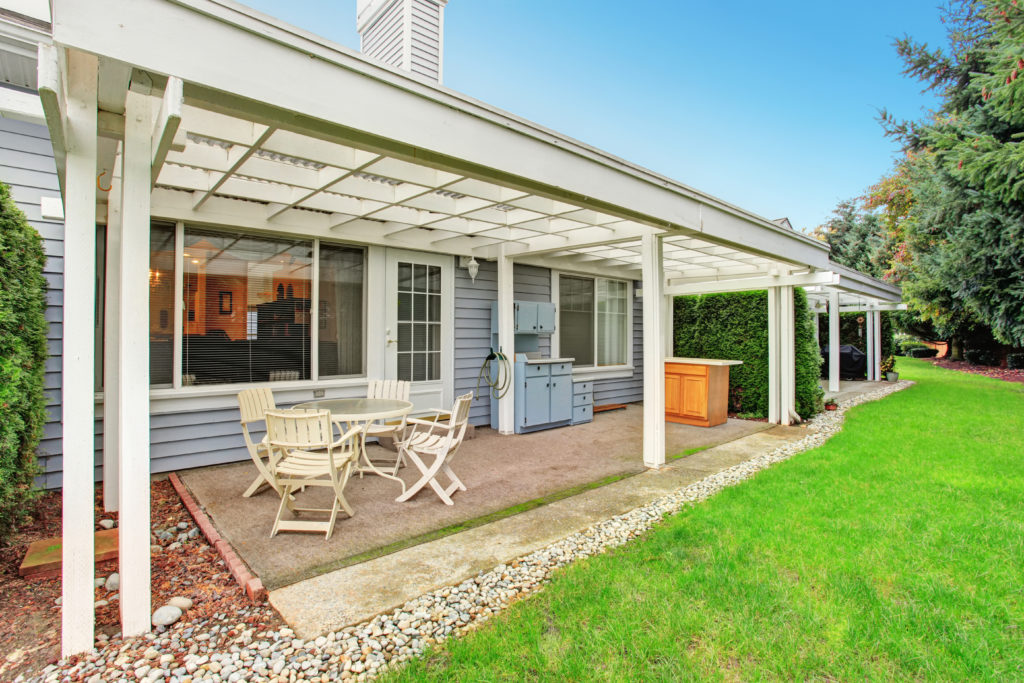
673	389
537	401
546	318
526	317
695	396
561	397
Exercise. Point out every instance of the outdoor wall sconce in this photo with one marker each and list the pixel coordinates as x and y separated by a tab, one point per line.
471	265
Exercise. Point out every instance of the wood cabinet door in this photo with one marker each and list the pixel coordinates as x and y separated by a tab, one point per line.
673	399
695	397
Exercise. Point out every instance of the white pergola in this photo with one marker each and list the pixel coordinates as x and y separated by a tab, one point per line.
259	125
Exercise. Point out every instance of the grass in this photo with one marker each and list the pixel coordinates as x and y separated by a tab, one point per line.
896	550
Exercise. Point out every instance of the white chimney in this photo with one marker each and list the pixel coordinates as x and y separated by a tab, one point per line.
408	34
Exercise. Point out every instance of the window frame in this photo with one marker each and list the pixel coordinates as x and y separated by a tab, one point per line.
595	372
176	389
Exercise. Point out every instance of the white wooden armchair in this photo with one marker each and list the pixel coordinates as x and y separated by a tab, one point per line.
306	454
393	389
439	440
253	405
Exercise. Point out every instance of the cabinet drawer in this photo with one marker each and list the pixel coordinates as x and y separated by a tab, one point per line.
586	399
582	387
684	369
582	414
536	370
561	368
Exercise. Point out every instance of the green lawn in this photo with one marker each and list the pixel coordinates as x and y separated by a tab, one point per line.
894	551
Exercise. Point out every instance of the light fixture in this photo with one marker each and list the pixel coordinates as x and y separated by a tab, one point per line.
471	265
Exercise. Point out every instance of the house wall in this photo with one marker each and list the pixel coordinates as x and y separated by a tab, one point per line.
26	164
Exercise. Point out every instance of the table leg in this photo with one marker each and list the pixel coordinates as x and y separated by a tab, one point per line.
367	464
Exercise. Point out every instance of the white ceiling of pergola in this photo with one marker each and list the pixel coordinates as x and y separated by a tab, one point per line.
352	194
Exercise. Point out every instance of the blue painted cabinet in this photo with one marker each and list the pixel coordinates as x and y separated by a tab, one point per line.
536	401
544	395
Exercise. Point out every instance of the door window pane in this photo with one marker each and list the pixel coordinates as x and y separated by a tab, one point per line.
231	281
576	319
419	322
341	311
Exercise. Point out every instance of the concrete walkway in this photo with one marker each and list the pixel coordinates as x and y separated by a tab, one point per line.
850	388
357	593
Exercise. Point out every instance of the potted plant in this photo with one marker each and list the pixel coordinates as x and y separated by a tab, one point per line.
830	404
888	366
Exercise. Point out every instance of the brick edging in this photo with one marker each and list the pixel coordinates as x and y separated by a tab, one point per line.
252	585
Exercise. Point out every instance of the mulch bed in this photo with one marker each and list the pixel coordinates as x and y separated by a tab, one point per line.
987	370
189	567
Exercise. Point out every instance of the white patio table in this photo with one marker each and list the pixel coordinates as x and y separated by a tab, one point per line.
362	411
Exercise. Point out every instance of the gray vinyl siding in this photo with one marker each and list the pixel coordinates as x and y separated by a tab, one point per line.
473	334
26	164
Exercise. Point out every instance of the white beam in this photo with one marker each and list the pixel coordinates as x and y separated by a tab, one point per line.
506	340
854	308
774	356
755	283
111	350
23	106
77	409
134	529
833	341
166	125
654	359
263	137
51	95
870	342
787	329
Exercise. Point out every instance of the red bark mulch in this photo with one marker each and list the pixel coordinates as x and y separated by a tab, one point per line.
30	619
987	370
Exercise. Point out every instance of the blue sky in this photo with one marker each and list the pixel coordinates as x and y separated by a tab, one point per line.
770	106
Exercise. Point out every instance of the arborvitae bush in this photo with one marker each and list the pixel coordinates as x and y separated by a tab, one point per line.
735	327
22	361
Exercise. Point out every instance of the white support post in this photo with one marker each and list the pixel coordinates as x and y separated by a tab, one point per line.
78	366
833	341
869	334
816	318
787	331
668	322
774	356
878	345
134	527
111	348
654	358
506	340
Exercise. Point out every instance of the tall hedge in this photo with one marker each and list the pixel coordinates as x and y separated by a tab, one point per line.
22	360
735	326
853	332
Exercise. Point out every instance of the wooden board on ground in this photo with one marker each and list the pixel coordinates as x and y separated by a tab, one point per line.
43	559
609	406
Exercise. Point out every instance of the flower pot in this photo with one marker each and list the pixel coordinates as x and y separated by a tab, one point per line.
830	406
892	376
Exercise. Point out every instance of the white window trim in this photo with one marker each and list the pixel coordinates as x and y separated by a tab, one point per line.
595	373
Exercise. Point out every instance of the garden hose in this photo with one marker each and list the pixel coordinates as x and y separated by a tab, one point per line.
502	380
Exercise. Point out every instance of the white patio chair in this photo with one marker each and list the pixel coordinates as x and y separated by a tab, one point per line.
393	389
306	454
253	405
441	441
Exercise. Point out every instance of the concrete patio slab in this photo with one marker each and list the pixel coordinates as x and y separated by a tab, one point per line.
357	593
850	388
503	476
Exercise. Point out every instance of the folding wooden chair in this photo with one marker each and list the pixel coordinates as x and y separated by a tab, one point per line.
253	405
306	454
441	441
394	389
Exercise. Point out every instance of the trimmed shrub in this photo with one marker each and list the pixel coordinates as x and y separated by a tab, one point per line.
980	357
925	352
906	346
1015	361
22	361
735	326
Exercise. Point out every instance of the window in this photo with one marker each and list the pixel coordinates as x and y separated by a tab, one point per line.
232	279
593	320
419	322
161	303
340	325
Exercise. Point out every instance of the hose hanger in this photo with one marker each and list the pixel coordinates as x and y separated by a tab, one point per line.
498	381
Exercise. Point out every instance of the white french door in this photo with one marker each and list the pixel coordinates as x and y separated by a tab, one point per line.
419	324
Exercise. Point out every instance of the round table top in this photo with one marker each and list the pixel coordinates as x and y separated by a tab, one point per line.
359	409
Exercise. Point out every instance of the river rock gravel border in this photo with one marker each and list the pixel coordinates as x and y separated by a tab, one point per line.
368	649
